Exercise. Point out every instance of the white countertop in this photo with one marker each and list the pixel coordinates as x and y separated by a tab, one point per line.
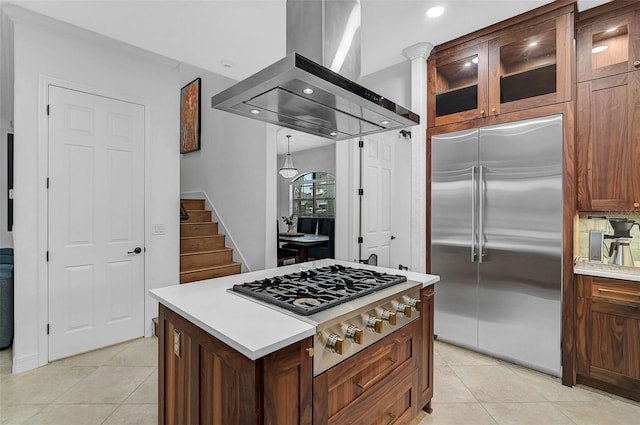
251	328
607	270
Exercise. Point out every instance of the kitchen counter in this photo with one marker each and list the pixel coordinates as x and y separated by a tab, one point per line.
247	326
607	270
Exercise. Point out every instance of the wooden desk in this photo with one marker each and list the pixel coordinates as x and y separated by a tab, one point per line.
303	243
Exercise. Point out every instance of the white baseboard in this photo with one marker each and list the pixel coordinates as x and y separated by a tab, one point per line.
25	363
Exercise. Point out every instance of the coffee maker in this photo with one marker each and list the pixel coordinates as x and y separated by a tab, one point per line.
619	250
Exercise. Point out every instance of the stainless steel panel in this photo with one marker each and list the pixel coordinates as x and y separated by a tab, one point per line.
521	271
454	160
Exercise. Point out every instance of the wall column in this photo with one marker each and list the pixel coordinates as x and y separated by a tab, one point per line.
418	54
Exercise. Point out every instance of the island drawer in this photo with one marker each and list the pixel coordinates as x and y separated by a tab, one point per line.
369	372
621	292
394	405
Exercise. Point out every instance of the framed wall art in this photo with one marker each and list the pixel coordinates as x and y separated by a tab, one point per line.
190	117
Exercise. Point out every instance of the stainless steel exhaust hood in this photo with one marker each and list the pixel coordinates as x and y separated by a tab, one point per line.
303	95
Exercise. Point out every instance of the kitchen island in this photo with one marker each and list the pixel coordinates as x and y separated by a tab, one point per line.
227	359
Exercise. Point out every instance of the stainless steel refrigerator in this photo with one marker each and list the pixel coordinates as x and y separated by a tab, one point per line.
496	240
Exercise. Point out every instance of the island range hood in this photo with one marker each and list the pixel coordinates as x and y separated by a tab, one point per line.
299	93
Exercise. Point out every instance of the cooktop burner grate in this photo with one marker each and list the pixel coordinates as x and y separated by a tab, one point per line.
311	291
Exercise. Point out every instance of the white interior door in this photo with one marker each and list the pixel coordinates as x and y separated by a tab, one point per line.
376	202
96	221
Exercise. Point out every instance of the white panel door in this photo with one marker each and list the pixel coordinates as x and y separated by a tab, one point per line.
96	221
376	202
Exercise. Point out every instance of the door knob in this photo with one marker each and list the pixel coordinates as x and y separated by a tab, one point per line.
137	250
392	237
636	64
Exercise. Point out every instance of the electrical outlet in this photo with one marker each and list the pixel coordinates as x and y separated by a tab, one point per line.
158	229
176	342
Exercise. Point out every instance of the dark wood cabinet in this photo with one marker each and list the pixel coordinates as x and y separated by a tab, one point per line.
609	41
608	148
608	335
204	381
520	64
608	108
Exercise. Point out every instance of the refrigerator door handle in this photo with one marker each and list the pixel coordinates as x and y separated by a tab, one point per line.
474	190
481	215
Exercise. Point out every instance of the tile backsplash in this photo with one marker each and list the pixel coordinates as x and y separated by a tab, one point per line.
583	236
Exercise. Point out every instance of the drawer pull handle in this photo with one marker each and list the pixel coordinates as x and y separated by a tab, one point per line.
392	419
377	377
614	291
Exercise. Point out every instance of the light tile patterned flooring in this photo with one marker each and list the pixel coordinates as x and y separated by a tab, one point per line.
118	385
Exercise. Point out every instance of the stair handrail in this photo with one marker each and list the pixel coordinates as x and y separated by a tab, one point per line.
184	215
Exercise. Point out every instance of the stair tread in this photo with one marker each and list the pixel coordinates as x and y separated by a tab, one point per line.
203	236
209	251
192	223
233	264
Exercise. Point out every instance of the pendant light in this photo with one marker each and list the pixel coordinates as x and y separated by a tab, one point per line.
288	170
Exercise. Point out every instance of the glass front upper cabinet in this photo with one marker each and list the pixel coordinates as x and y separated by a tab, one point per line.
517	69
531	67
458	81
609	47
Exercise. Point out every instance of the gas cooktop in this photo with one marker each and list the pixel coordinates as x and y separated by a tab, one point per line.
308	292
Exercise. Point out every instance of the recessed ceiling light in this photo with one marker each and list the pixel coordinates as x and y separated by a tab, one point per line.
599	49
435	11
254	111
611	29
307	91
384	122
333	133
467	64
226	64
533	44
474	60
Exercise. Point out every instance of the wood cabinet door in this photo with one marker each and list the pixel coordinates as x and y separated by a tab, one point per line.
615	327
609	46
426	344
531	67
608	335
608	148
287	391
457	85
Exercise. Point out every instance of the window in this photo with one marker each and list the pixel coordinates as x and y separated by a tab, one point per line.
314	195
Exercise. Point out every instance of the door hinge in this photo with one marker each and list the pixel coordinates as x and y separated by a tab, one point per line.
47	182
48	109
360	192
47	256
360	239
361	143
48	329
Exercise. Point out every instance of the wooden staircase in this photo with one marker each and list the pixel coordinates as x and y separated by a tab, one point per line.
203	254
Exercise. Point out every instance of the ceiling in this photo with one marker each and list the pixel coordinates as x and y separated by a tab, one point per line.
237	38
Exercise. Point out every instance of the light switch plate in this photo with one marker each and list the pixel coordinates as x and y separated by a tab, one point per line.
158	229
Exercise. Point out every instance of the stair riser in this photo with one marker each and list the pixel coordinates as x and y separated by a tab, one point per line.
198	217
207	259
210	274
201	244
193	204
198	229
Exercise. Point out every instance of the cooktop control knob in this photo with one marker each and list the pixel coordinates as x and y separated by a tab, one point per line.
374	324
414	303
404	309
389	317
335	344
354	334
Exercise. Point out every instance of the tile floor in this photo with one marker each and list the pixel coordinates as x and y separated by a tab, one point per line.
118	385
